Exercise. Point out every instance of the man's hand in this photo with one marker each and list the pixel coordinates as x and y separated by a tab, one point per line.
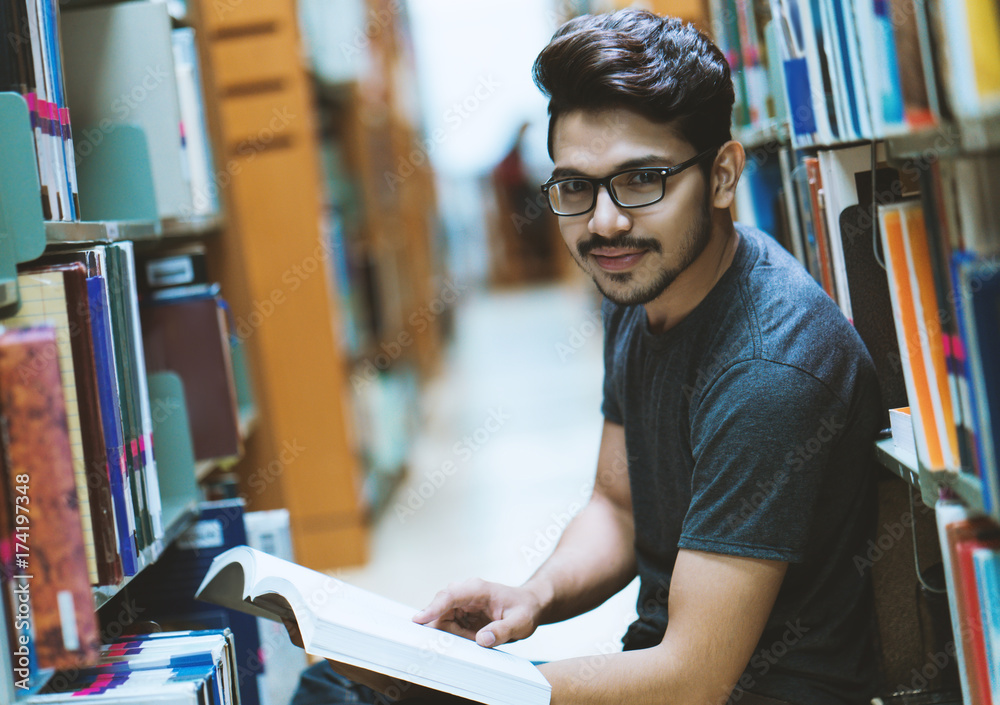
489	613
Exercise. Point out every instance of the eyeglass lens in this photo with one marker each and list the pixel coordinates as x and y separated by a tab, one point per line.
631	188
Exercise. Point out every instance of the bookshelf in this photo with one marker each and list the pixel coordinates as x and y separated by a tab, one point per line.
142	194
933	136
273	261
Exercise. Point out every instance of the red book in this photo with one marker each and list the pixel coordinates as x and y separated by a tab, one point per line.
819	225
49	552
962	541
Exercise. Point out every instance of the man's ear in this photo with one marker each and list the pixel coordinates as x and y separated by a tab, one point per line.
726	171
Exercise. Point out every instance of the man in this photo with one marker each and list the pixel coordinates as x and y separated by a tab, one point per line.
740	406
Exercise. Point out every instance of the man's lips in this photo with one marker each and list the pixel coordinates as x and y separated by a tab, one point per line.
616	260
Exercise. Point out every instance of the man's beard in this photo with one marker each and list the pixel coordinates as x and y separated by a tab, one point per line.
694	243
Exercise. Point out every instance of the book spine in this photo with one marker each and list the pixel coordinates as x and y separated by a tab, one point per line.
64	624
111	420
109	566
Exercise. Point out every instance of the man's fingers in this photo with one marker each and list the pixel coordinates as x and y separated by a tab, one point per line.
461	596
501	631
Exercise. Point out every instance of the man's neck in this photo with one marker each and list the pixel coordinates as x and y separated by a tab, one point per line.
693	284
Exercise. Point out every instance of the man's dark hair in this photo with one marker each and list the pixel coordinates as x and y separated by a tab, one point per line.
658	67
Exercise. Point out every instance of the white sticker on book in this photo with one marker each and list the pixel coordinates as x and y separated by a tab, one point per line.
170	271
67	617
204	534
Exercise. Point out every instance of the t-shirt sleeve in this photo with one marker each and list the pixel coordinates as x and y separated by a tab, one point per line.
611	404
762	436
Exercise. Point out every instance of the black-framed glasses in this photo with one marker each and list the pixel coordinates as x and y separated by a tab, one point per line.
631	188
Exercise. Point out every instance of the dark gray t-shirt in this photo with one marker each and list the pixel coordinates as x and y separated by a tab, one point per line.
749	429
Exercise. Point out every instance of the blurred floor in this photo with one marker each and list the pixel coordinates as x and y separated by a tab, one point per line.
505	456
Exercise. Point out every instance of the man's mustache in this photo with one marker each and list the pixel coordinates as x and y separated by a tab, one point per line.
626	242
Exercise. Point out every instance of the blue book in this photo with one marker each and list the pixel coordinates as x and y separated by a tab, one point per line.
165	590
987	565
107	384
962	268
985	297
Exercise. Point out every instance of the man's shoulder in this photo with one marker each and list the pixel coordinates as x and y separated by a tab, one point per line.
794	321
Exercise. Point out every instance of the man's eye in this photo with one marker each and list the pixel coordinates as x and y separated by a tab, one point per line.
574	186
643	178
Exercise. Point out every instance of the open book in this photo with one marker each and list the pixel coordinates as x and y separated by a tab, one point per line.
347	624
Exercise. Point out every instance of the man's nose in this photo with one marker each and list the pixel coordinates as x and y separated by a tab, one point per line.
608	218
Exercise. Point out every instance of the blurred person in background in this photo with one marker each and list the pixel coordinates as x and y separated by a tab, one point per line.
740	406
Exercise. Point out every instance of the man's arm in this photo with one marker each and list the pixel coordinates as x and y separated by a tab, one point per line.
593	560
718	607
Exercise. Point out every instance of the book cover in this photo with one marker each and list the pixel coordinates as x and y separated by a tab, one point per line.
164	591
126	361
44	302
947	513
987	565
114	437
929	328
939	244
353	626
917	86
985	302
914	308
126	252
965	271
59	294
964	537
191	337
867	283
63	622
269	531
970	39
820	226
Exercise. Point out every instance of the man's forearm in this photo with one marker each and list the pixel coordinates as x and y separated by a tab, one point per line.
593	560
641	677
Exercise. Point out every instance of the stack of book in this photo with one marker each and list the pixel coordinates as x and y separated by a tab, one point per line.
970	547
175	668
83	499
31	65
860	69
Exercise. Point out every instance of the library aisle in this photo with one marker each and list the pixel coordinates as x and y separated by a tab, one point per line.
504	456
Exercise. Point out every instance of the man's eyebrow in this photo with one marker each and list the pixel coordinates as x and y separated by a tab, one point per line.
635	163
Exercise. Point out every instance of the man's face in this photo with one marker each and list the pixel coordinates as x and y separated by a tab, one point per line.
632	254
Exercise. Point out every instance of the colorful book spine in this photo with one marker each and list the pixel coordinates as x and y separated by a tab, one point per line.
53	567
104	357
918	333
987	565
